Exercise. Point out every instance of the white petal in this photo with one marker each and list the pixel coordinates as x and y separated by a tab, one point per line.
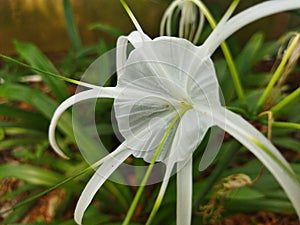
245	17
110	164
184	192
136	39
173	66
208	113
171	51
212	148
169	168
167	176
263	149
189	134
203	86
94	93
143	122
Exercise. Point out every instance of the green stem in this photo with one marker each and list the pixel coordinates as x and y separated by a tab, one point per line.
234	73
277	73
131	15
287	100
286	125
148	172
227	54
72	81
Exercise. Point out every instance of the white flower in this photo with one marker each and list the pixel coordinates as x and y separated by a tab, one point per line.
166	98
190	20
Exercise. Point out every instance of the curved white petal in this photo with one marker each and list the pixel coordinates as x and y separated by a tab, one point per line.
110	163
94	93
245	17
167	176
212	148
212	114
136	39
263	149
184	192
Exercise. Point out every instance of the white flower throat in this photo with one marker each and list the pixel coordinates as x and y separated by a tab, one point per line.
170	79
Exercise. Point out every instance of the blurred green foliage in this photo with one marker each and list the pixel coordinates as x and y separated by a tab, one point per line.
26	108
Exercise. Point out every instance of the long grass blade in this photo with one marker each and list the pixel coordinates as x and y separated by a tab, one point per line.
71	26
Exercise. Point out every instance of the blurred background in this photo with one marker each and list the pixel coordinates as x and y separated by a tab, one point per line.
42	21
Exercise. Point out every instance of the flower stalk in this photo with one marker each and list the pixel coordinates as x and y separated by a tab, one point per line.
286	125
284	102
278	72
227	54
148	172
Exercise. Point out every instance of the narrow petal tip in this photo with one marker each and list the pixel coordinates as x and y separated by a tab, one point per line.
52	141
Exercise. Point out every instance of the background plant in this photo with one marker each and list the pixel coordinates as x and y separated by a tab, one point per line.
28	166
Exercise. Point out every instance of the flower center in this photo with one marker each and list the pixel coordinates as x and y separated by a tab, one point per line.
185	106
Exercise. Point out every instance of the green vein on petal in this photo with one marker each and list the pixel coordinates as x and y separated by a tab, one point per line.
265	151
271	154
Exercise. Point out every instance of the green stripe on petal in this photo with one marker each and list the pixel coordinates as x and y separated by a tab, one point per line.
265	151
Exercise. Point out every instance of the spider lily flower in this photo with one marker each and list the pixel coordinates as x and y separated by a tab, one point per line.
166	98
190	22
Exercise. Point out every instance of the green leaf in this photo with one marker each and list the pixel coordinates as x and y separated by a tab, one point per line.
25	125
31	174
265	204
106	28
92	215
71	26
247	56
245	193
14	193
34	119
18	214
288	142
225	79
46	106
21	131
9	143
36	58
39	100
